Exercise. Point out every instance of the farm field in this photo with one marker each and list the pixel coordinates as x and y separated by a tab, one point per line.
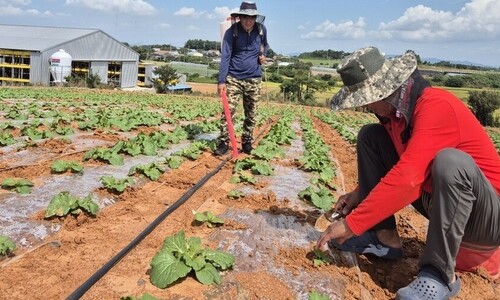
160	149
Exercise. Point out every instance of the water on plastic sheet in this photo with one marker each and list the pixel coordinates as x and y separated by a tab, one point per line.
286	181
34	155
206	136
254	253
16	209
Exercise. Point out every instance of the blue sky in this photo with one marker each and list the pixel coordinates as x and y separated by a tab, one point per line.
454	30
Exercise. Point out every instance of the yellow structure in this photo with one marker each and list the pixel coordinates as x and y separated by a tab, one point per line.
14	66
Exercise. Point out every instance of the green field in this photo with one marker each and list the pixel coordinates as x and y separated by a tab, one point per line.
320	62
187	68
191	68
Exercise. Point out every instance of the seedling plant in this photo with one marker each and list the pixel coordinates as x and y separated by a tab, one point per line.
180	255
7	245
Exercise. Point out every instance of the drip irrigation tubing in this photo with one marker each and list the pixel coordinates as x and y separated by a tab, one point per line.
82	289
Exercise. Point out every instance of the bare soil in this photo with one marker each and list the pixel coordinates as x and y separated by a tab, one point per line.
54	270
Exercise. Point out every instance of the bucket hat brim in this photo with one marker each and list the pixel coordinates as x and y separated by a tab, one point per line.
382	84
246	12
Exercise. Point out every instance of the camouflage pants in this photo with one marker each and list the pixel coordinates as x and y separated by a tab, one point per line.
247	90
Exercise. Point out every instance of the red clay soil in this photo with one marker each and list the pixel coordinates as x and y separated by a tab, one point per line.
83	245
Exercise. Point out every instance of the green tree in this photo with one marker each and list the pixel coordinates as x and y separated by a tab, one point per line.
143	51
454	81
166	76
271	53
302	86
483	104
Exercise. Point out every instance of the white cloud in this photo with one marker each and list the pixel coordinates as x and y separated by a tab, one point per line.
10	10
14	2
477	20
138	7
345	30
164	25
222	12
188	12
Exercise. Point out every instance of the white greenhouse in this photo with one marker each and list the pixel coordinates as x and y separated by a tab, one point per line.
29	54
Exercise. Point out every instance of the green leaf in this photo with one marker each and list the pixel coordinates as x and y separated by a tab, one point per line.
113	184
235	179
63	204
88	205
209	217
133	149
208	275
235	194
197	262
321	258
7	245
176	244
59	166
20	185
323	199
153	173
247	177
166	269
16	182
315	295
201	217
115	159
149	148
219	259
60	205
24	190
6	139
262	168
174	161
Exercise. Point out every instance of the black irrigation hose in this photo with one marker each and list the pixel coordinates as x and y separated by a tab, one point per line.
80	291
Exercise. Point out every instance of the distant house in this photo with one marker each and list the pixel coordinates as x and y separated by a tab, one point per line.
194	53
211	53
163	54
284	64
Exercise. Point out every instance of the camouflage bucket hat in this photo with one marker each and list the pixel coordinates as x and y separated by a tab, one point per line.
369	77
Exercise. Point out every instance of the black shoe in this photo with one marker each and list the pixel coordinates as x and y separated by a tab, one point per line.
247	147
221	149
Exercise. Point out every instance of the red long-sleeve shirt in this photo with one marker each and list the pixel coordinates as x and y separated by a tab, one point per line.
440	120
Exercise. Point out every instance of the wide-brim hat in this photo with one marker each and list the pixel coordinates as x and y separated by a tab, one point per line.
248	9
369	77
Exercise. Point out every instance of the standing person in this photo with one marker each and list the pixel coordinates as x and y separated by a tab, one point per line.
244	48
430	151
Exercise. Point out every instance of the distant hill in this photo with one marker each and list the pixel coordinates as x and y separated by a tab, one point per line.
434	60
431	60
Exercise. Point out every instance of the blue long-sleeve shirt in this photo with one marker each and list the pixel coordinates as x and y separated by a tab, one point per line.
240	56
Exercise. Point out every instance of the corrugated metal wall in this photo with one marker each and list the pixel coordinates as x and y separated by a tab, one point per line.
37	76
100	68
129	74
